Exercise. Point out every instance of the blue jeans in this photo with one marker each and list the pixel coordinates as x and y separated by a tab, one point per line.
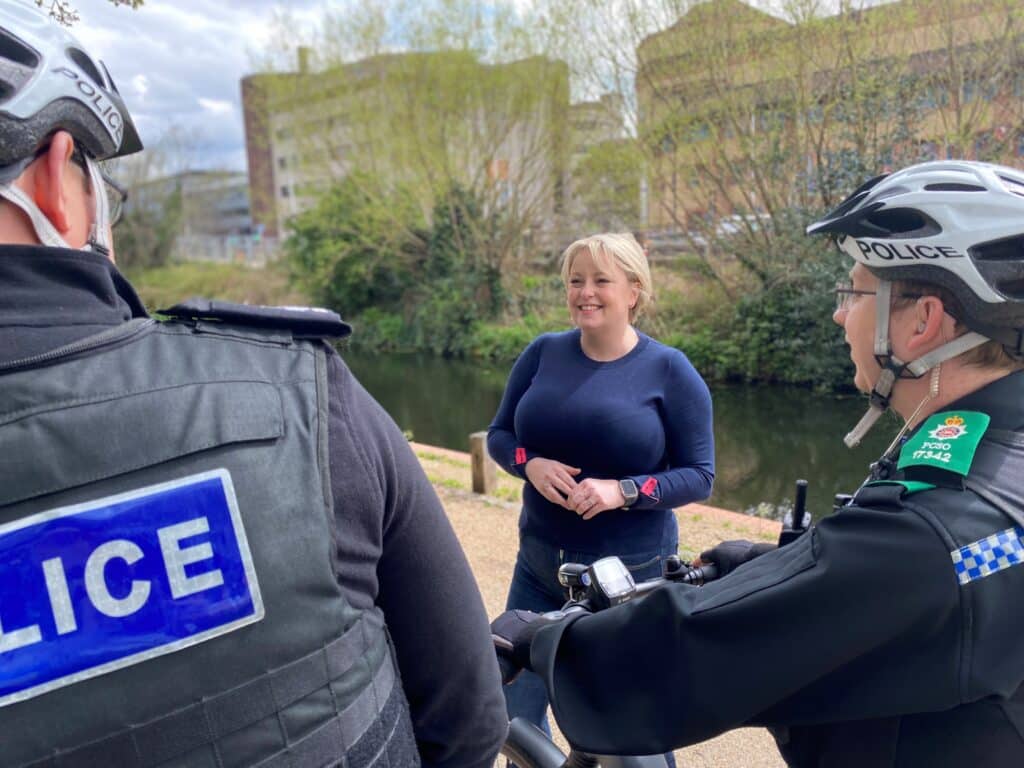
535	587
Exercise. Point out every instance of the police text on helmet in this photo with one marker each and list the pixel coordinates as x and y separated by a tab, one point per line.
905	251
95	98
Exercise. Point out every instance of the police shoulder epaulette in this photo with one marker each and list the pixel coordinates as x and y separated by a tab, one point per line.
303	321
888	491
943	448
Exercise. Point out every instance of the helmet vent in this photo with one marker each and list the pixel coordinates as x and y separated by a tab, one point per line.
81	58
953	186
1013	185
895	223
16	51
1012	289
1007	249
891	192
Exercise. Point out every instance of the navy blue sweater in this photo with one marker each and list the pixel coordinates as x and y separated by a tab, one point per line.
646	416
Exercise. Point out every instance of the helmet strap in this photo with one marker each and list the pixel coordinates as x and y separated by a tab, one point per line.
893	368
879	404
883	299
99	234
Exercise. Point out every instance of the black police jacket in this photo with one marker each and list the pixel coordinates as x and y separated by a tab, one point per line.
888	635
395	551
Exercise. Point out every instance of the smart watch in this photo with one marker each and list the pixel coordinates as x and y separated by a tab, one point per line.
629	492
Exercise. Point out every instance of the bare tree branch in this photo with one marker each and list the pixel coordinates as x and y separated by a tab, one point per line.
65	13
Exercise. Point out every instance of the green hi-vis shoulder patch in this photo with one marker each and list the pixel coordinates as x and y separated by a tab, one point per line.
946	441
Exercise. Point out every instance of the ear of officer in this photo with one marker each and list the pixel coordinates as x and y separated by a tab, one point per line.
61	192
917	330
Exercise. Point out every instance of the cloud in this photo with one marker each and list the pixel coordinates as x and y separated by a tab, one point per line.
217	106
168	52
141	84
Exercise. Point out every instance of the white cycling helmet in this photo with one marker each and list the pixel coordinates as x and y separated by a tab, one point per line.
48	83
954	224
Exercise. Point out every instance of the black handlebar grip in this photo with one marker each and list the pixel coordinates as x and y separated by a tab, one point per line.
702	575
800	505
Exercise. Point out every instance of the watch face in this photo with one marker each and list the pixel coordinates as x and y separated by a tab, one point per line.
629	491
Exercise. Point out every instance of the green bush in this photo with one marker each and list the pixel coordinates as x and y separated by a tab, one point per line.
503	343
403	283
780	331
354	249
377	329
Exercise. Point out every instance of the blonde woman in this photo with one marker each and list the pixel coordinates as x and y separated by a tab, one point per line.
610	429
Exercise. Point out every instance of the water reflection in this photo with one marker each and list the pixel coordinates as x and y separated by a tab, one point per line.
766	437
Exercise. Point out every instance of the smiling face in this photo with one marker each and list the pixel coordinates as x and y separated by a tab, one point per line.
599	293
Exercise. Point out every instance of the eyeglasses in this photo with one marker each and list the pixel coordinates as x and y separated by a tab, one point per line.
846	295
116	194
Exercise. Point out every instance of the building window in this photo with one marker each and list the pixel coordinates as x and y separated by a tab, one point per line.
282	162
285	192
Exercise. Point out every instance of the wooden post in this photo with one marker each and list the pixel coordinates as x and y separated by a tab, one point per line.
485	471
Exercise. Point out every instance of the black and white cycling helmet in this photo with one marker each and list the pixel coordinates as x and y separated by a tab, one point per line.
48	83
954	224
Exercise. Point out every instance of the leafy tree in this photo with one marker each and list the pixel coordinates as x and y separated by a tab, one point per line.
406	281
146	236
606	186
459	286
353	252
470	102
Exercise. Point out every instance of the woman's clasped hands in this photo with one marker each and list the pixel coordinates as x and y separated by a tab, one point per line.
556	482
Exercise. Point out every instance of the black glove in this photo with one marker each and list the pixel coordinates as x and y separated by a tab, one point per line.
730	555
513	633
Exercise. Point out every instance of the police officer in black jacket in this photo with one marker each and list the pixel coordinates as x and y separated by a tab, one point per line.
215	547
888	634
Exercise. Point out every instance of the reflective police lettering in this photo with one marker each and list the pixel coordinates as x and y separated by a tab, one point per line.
176	558
60	598
905	251
96	581
88	589
882	251
100	104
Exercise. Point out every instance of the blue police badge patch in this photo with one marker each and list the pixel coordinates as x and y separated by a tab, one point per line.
989	555
94	587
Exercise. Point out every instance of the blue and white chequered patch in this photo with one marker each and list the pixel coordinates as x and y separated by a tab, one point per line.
987	556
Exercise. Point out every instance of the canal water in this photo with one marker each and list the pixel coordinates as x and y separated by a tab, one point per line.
765	436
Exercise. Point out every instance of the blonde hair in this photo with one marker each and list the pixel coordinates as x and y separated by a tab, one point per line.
622	250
